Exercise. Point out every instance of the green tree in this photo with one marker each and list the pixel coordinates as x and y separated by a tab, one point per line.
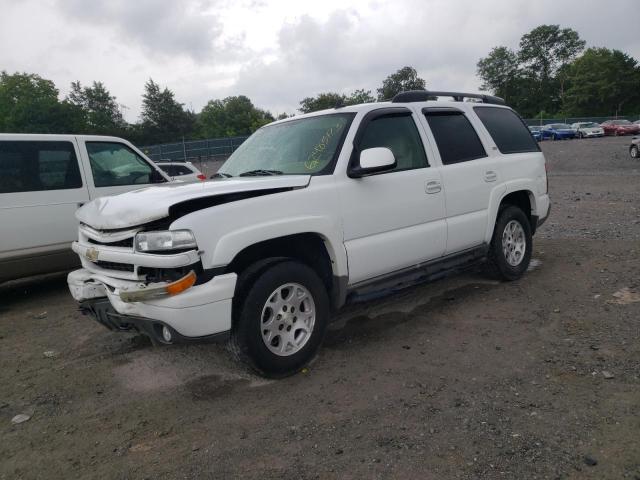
360	96
603	82
101	112
163	118
500	72
322	102
404	79
29	104
544	54
231	117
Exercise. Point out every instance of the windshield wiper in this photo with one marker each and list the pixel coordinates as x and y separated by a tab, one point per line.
221	175
259	173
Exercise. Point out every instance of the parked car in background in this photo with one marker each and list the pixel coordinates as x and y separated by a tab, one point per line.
183	171
634	148
588	129
536	132
620	127
637	122
558	131
44	179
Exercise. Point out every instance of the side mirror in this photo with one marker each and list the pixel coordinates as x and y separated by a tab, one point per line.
373	160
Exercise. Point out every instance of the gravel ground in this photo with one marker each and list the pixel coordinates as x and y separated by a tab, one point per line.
464	378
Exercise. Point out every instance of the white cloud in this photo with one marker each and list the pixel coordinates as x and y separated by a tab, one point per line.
279	51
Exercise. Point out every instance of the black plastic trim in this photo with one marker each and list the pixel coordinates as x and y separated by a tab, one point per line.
427	95
101	310
432	270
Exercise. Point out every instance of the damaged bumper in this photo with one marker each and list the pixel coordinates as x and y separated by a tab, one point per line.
196	312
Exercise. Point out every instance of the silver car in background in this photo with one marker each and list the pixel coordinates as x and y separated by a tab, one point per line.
588	129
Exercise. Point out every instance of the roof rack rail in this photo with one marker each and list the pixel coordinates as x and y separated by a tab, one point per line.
426	95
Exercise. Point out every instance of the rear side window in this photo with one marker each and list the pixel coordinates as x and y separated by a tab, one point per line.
456	138
507	130
38	166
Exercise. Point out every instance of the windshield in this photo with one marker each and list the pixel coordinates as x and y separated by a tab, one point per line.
308	146
589	125
621	122
535	129
560	126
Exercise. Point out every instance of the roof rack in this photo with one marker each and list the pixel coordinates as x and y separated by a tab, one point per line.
426	95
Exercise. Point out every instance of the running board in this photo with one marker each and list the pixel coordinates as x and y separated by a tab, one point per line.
430	271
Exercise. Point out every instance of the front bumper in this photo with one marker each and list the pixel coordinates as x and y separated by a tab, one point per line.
101	310
201	311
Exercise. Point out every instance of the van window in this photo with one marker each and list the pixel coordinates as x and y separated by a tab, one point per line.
399	134
456	138
115	164
507	129
176	170
32	166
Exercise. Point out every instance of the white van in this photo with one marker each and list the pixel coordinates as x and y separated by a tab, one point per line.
44	179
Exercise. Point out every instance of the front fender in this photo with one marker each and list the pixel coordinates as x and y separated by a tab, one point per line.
233	242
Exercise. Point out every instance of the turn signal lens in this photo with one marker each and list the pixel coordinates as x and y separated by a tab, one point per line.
181	285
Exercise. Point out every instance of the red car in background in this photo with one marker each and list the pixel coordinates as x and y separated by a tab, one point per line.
620	127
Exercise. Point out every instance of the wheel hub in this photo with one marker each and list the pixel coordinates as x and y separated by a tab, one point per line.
288	317
514	243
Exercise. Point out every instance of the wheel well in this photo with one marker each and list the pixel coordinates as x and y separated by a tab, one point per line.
519	199
308	248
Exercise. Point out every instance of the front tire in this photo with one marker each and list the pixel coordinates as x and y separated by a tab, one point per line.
280	318
511	245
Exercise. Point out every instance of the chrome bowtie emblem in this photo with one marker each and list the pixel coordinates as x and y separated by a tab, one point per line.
91	254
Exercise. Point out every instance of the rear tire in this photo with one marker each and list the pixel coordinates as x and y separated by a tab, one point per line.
633	151
280	318
511	245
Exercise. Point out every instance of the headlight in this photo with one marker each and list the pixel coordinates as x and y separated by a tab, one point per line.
165	240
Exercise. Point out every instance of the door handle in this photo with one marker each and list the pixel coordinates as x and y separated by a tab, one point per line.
490	176
433	187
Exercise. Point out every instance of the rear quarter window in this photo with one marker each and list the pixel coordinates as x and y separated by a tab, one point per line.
507	129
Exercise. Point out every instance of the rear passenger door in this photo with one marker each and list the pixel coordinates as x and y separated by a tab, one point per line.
470	175
41	187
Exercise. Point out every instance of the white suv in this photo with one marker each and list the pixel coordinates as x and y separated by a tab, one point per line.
311	213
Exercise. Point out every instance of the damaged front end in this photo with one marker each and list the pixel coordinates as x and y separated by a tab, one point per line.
151	280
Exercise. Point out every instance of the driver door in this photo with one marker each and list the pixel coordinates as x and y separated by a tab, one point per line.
392	220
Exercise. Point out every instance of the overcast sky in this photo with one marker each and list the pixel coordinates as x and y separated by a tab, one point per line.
279	51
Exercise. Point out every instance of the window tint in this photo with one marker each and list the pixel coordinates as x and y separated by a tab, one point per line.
400	135
507	130
114	164
176	170
456	138
37	166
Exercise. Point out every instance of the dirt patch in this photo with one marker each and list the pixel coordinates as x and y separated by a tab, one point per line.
464	378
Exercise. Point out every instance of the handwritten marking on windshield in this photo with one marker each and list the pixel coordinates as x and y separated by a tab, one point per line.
313	159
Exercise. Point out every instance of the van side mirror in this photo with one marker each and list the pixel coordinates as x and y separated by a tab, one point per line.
373	160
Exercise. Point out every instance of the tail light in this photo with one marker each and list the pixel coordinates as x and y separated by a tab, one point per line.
202	177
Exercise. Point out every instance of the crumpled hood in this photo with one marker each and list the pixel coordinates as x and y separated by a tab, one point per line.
152	203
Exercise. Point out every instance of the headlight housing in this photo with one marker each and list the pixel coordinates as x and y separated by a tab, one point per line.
167	240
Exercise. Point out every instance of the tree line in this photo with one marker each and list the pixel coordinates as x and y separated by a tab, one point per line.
31	104
551	74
